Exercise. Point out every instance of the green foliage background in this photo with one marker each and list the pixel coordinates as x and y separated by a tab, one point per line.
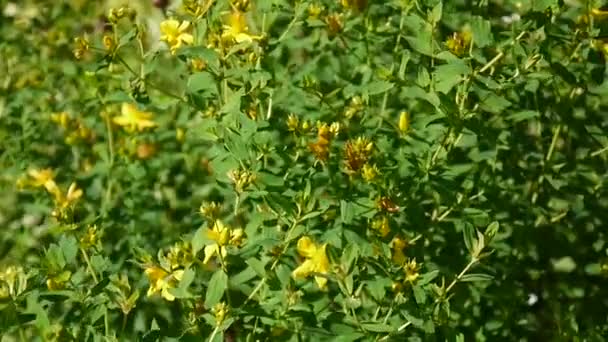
505	150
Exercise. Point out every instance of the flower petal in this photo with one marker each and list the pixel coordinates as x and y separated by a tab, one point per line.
183	26
186	38
306	247
210	251
304	270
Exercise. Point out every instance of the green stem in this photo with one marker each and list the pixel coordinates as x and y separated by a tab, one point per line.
215	331
88	262
460	275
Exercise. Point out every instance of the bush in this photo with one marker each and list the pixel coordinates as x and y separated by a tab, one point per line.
299	170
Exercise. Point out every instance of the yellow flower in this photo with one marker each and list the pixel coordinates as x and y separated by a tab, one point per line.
316	261
223	236
132	118
161	281
57	282
175	34
13	281
369	172
358	5
357	153
236	29
404	122
411	269
459	42
599	14
382	226
398	245
293	122
44	178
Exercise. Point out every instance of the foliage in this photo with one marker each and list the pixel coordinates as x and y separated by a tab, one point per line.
297	170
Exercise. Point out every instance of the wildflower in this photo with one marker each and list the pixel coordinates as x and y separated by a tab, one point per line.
195	9
358	5
133	119
314	10
198	64
115	14
334	24
387	204
316	261
108	42
73	194
357	153
62	119
210	210
459	42
91	238
241	5
236	30
13	281
220	312
180	255
599	14
411	269
369	172
382	226
305	126
175	34
320	148
43	178
81	47
292	123
241	179
221	236
398	245
404	122
162	281
57	282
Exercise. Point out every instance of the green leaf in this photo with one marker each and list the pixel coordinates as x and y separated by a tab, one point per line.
349	256
468	232
270	180
198	240
419	294
523	115
242	277
69	247
257	265
233	102
541	5
346	212
187	278
447	76
436	12
492	102
201	81
476	277
482	32
377	87
378	327
417	322
427	277
215	290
